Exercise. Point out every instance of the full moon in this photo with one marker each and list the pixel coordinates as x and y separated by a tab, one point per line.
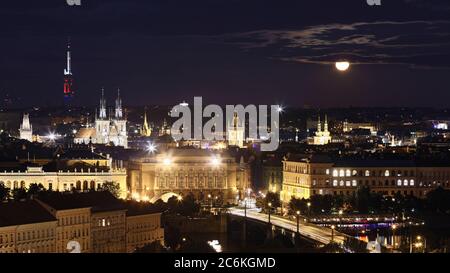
342	66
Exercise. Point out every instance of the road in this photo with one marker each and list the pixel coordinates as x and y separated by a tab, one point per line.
319	234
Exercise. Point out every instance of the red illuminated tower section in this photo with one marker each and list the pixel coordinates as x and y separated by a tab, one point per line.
68	79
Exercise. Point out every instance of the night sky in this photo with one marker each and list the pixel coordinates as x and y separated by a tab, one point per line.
229	51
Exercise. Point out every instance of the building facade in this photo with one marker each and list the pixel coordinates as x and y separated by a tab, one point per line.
79	179
185	171
307	176
85	223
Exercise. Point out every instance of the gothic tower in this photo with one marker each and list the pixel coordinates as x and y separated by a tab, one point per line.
236	132
26	130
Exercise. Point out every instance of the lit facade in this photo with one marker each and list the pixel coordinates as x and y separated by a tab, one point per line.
304	177
184	171
82	179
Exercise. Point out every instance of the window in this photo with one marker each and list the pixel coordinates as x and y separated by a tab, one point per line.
354	183
411	182
347	173
341	173
367	173
347	183
335	183
386	173
327	171
399	182
405	182
341	183
335	173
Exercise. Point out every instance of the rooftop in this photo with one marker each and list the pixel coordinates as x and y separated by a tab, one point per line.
22	213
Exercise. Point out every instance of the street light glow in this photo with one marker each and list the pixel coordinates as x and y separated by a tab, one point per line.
151	148
167	161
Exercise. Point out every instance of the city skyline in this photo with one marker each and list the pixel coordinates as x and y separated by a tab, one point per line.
285	53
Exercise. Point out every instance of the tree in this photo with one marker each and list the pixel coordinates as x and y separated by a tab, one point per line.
323	203
172	236
112	187
363	199
439	200
19	194
297	204
4	193
35	189
153	247
272	198
189	206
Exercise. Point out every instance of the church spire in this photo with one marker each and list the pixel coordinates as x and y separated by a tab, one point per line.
102	114
319	125
146	131
118	112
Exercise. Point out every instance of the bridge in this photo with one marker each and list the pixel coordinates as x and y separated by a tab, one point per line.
316	233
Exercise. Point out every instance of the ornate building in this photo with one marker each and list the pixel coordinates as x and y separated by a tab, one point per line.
183	171
106	129
236	132
322	137
65	179
26	130
304	176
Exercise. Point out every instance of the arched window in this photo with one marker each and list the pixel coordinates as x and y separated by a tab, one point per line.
367	173
386	173
347	173
78	185
92	186
341	173
85	185
335	173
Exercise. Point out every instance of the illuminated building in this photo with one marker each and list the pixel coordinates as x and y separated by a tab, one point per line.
26	227
96	221
236	132
322	137
184	171
106	129
304	176
65	178
26	130
349	126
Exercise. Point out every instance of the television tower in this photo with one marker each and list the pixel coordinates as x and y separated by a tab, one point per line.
68	79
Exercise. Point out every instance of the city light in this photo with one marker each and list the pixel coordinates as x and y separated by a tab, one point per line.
51	136
151	147
280	109
215	245
215	161
167	161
